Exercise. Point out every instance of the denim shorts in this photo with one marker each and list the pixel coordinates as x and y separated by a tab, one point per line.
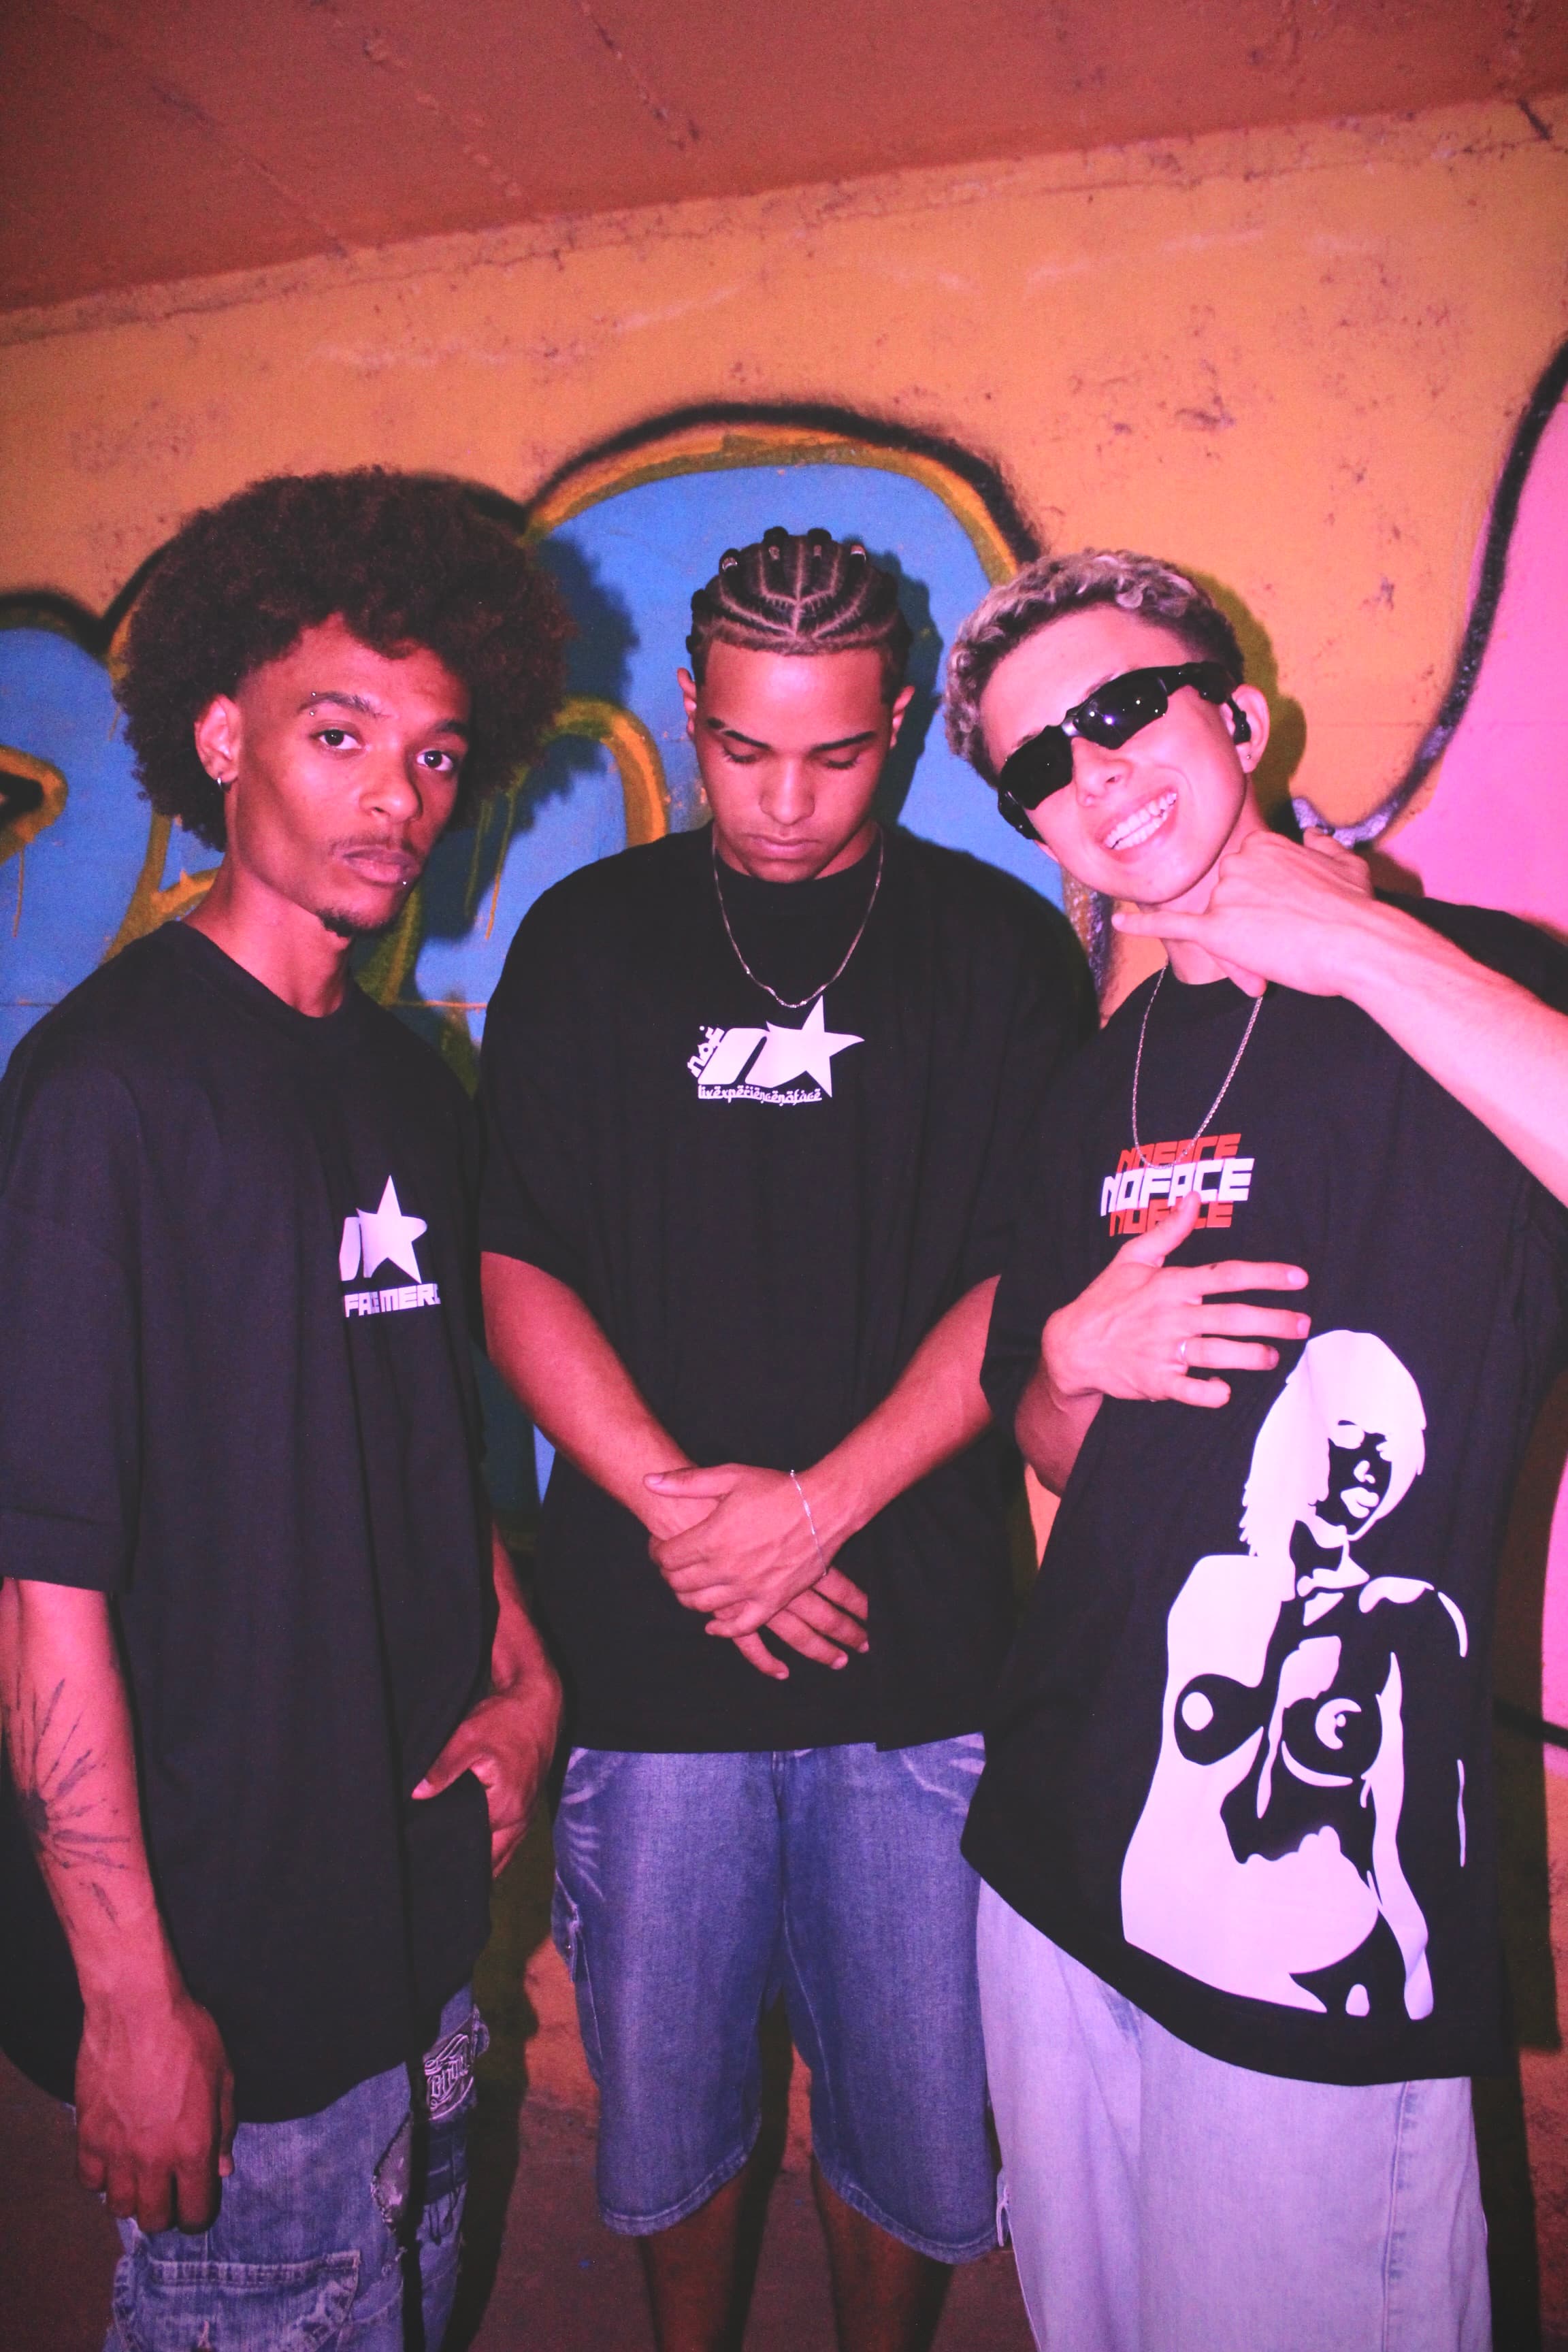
692	1889
324	2222
1162	2200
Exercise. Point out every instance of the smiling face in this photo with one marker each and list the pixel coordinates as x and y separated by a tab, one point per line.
1148	821
791	748
344	765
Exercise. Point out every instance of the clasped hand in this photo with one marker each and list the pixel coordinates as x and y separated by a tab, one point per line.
1142	1328
751	1560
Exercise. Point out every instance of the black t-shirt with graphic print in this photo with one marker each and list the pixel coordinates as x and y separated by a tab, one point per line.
236	1394
1240	1764
767	1211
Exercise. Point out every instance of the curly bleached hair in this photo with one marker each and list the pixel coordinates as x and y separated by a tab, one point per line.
404	560
1056	584
811	595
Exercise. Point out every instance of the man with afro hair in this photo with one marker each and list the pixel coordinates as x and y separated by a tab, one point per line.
273	1706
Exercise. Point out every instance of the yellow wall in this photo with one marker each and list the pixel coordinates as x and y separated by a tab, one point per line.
1289	358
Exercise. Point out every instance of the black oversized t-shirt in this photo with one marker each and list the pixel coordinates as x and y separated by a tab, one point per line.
236	1393
1240	1763
767	1211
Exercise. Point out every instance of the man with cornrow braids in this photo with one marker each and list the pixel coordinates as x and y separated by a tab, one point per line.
757	1100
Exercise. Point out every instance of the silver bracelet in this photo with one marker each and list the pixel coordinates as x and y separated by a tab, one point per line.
810	1522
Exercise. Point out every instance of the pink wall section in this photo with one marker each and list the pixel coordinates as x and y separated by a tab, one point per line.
1493	829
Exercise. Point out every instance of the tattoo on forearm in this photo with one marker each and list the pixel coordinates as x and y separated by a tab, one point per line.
65	1808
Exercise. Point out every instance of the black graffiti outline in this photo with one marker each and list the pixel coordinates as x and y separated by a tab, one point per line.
1538	414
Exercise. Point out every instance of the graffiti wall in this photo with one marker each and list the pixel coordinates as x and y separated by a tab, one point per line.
628	532
1299	360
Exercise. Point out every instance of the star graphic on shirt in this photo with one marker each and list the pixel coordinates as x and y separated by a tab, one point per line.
387	1237
805	1052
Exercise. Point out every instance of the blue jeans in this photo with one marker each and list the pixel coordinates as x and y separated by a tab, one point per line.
322	2222
1163	2201
692	1889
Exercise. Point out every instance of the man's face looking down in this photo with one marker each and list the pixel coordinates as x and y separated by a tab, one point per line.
346	764
1147	822
790	748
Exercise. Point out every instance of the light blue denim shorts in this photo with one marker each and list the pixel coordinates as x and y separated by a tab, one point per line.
692	1889
1162	2200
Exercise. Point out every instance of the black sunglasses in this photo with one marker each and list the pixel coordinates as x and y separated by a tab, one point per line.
1110	716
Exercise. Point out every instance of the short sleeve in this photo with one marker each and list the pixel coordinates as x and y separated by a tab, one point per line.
1520	952
69	1386
1038	1273
1052	1015
534	1065
1524	954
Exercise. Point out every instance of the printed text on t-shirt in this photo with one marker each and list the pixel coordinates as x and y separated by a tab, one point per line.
753	1065
1148	1181
384	1236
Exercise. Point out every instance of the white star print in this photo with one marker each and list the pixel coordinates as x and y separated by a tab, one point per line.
386	1238
805	1052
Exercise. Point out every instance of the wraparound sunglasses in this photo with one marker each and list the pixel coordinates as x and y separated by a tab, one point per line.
1110	716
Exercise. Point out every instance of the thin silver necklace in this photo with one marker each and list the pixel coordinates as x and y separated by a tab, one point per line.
1202	1124
795	1003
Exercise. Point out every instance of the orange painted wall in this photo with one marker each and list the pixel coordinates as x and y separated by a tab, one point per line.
1289	358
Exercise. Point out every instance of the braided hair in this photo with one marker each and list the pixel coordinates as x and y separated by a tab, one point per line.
810	594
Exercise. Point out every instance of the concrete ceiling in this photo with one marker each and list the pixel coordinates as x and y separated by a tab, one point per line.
158	139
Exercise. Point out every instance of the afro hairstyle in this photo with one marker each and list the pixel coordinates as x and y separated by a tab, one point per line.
405	560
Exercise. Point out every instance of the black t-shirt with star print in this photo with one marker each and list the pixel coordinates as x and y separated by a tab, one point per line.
1239	1763
237	1395
767	1209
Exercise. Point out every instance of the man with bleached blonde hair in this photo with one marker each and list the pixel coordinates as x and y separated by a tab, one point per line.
1238	1947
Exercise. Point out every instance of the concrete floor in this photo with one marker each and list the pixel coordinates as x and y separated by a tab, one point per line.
541	2273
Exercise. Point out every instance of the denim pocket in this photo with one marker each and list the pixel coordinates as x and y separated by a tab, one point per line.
565	1927
566	1934
947	1769
162	2306
589	1771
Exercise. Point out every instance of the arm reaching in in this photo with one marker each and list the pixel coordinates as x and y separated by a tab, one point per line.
155	2095
755	1549
1300	916
1141	1329
557	1362
508	1739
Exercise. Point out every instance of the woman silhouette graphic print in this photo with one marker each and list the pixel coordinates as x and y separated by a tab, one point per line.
1267	1859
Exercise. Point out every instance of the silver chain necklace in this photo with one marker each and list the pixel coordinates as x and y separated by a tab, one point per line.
1202	1124
795	1003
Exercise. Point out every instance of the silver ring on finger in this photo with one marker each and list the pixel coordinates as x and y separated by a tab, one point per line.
1182	1353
